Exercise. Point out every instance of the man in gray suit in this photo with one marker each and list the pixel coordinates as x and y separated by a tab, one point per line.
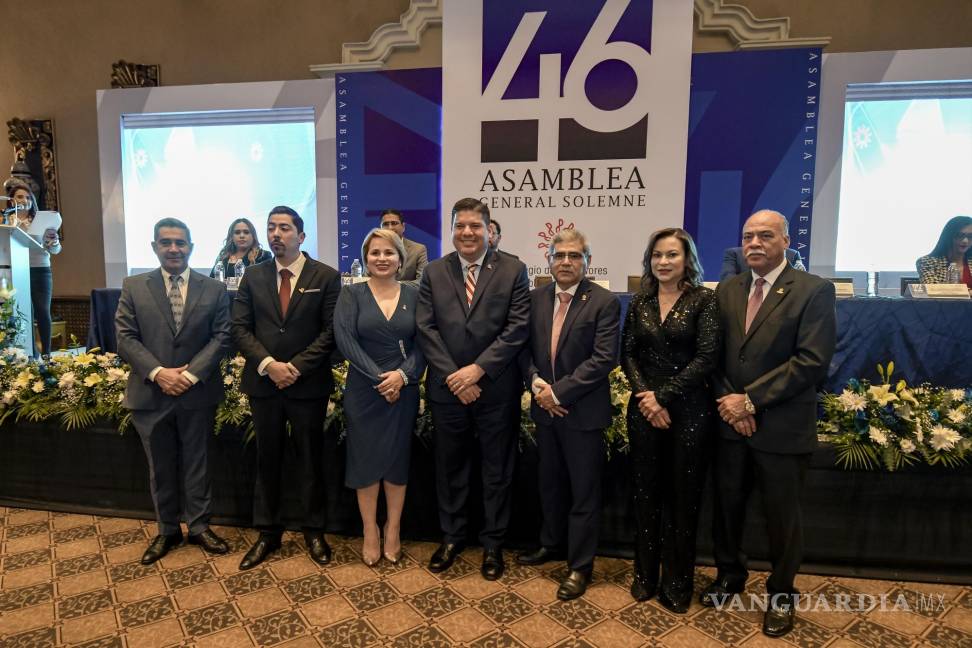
416	254
173	329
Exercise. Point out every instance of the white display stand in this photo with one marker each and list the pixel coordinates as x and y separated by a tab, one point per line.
15	246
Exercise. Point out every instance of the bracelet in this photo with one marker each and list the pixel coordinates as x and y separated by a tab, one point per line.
404	377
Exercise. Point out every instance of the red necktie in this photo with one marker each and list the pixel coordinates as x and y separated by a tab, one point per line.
284	292
755	301
558	323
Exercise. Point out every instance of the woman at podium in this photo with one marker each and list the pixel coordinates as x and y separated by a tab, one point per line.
241	246
41	277
951	260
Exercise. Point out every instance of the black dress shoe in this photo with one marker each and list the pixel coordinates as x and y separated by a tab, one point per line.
778	619
160	546
493	564
210	542
574	585
320	551
670	604
444	556
263	547
640	591
719	590
540	556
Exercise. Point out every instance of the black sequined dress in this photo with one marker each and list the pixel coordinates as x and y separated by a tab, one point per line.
675	359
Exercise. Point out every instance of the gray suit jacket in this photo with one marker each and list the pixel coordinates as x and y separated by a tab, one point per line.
416	258
147	338
781	360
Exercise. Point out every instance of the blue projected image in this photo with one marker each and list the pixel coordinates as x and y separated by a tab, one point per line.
208	176
906	169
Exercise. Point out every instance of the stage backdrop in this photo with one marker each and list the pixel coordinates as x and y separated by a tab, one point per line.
568	114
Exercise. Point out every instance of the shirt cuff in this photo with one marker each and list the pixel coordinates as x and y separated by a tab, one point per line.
537	383
262	367
191	377
154	373
555	399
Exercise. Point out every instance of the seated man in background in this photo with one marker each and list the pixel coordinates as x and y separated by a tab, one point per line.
734	262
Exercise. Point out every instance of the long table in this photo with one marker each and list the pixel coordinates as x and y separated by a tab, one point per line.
928	340
915	524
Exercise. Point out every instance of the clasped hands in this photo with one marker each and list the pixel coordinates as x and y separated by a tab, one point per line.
172	382
732	409
283	374
463	383
652	410
543	393
391	385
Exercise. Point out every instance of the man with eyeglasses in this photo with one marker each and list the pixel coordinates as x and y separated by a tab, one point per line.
572	350
416	254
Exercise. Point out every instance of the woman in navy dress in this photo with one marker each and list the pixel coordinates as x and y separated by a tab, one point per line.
374	325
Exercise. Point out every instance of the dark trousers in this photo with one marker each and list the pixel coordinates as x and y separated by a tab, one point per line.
456	427
41	290
780	478
570	490
669	474
175	442
306	418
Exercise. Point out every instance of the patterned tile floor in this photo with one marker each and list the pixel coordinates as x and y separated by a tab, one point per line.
75	580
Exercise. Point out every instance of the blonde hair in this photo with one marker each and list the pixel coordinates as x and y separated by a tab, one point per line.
391	237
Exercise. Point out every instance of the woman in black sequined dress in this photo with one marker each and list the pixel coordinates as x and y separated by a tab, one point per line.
669	349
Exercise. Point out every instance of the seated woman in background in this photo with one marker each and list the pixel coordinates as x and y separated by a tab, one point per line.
241	244
951	260
374	327
41	278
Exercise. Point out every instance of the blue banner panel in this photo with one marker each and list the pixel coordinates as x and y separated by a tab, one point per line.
752	121
389	134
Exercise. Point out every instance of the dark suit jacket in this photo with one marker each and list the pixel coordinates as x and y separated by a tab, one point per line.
734	262
489	334
587	352
783	358
304	338
147	339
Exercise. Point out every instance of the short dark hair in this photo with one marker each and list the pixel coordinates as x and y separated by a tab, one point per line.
693	268
171	222
294	216
954	225
471	204
393	212
499	230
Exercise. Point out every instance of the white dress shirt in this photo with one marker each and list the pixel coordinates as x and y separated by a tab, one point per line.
295	269
770	278
479	266
184	291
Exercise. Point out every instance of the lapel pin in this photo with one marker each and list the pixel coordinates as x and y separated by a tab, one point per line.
404	306
489	266
584	297
779	291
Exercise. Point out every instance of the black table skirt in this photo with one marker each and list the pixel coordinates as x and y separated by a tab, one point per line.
912	524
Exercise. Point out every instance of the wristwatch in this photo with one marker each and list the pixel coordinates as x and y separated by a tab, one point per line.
750	408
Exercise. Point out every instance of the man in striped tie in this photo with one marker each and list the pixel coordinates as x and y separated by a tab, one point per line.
473	319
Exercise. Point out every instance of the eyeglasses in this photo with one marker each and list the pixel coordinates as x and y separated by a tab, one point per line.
390	224
573	256
963	236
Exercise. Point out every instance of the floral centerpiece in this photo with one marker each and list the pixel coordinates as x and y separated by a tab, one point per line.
893	425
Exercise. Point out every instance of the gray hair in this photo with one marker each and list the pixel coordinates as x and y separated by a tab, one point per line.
389	236
570	236
784	223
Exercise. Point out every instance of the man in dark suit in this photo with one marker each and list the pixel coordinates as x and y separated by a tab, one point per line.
573	348
779	328
416	255
473	319
172	326
734	262
282	322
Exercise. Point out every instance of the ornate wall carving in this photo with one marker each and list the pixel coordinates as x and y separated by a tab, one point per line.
134	75
34	158
745	30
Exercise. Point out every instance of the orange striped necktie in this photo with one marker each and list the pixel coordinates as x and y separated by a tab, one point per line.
470	283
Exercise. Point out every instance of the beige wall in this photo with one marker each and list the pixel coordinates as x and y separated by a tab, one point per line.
74	42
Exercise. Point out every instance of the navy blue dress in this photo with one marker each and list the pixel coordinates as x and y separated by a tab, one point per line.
379	433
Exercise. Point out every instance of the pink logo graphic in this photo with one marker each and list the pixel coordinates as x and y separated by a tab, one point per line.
551	232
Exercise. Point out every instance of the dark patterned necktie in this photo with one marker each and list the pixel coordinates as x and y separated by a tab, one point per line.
755	301
175	299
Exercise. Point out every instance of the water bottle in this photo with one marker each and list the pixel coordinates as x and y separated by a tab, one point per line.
221	271
238	269
954	273
872	283
355	269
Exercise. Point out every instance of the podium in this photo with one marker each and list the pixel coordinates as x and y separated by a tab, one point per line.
15	246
